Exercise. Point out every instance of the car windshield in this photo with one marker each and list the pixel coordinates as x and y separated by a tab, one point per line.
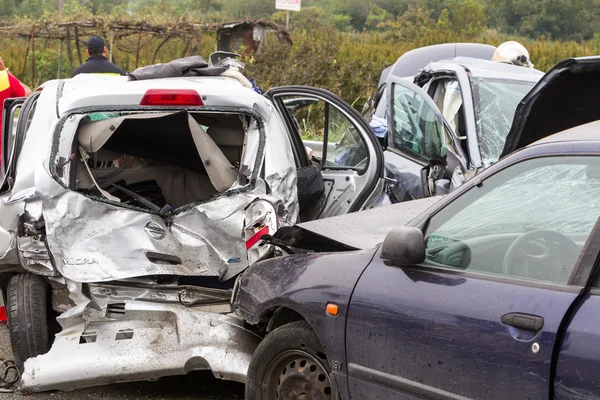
495	101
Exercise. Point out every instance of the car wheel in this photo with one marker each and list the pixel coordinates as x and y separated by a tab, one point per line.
290	364
27	310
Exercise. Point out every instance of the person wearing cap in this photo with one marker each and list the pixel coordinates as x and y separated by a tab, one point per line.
97	62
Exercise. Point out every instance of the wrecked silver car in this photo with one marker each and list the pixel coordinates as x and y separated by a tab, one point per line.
450	102
129	204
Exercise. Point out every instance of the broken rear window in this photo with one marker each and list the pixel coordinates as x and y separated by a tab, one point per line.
495	102
160	160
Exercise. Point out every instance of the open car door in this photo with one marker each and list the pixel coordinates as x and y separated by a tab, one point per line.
10	114
423	153
8	222
327	133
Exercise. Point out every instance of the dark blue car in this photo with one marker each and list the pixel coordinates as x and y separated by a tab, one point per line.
492	292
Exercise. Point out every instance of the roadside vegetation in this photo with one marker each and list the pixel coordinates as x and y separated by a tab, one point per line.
341	45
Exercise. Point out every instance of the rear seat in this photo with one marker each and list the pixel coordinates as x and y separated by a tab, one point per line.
178	186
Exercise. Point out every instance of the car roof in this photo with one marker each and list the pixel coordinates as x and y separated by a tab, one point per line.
489	69
411	62
99	90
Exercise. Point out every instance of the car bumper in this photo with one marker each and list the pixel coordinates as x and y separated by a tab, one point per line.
150	341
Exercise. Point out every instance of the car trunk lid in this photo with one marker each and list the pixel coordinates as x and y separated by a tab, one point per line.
567	96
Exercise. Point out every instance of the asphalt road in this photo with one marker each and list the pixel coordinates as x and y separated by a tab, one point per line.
198	386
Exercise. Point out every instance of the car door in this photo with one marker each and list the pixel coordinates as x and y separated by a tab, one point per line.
340	142
16	117
480	318
10	114
418	134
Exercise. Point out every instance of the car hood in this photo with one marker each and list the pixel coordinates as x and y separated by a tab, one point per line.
565	97
360	230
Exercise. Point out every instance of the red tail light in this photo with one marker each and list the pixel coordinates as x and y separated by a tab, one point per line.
256	237
171	97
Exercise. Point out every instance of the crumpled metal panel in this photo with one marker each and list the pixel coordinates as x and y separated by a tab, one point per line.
366	229
37	144
9	220
34	255
94	241
155	340
280	170
112	242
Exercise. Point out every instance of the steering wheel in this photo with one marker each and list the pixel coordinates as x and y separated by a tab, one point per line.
552	246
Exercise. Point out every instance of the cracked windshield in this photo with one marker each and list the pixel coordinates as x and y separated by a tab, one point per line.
557	198
495	103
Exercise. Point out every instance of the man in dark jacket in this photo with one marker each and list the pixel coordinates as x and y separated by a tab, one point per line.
97	62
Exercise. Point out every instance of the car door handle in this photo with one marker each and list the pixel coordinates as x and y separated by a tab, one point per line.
523	321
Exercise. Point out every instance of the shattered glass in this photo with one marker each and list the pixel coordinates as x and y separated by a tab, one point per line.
554	200
564	198
495	102
100	116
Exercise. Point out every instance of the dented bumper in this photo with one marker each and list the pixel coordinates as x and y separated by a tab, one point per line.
150	341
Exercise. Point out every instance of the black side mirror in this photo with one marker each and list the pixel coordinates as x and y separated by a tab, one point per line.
404	246
430	174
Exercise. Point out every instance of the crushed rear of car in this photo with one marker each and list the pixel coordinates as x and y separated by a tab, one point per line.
128	206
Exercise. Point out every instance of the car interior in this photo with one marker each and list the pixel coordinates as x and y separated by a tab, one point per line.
152	160
540	239
438	93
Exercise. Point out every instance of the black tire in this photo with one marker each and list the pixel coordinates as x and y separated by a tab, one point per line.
27	310
290	363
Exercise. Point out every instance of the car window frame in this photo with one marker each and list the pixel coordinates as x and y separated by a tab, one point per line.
586	269
28	112
9	164
69	182
10	108
391	145
276	96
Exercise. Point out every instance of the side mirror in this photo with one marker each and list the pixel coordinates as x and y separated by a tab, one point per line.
430	174
404	246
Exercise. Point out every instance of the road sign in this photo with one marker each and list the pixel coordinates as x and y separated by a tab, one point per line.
290	5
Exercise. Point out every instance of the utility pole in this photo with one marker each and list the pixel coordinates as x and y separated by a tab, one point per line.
287	19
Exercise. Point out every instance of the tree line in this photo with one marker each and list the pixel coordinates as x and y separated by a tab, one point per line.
552	19
340	45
